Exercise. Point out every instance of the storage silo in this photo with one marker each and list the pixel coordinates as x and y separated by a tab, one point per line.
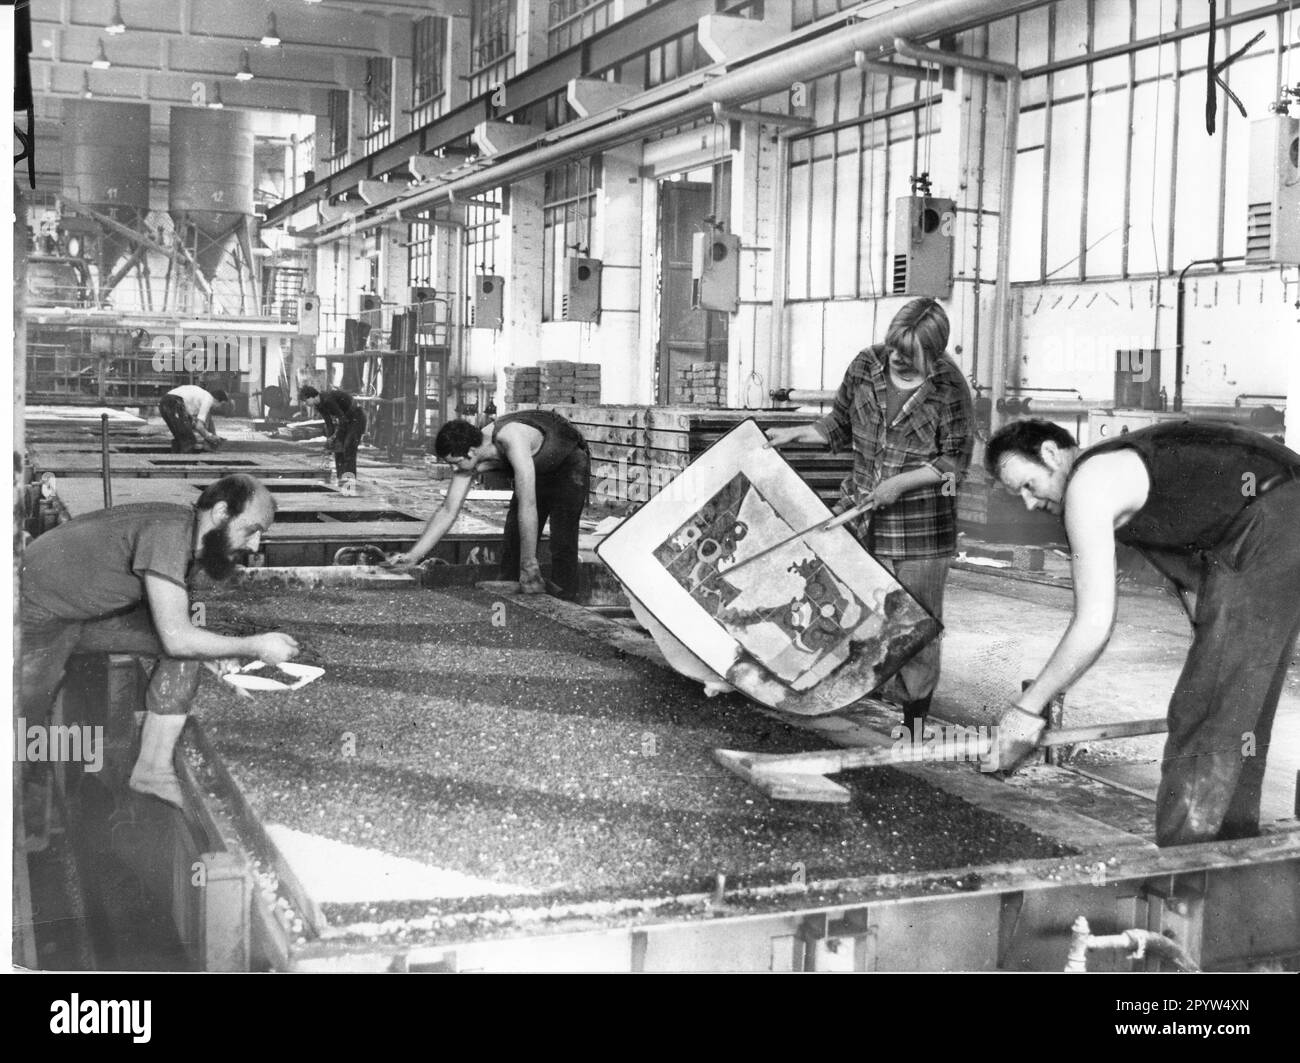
211	178
105	166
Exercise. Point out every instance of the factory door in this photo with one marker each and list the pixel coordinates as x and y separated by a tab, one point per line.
685	335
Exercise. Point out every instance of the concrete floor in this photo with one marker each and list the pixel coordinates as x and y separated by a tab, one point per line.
1000	630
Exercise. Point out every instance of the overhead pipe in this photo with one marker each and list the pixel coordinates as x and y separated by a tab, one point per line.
1010	135
1032	406
765	76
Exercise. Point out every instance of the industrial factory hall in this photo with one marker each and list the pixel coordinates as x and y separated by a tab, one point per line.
656	486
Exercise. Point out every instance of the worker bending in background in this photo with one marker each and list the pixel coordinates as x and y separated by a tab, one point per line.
1216	509
548	459
345	424
116	581
188	411
906	411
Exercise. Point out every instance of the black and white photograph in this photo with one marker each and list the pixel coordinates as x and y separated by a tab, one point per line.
657	487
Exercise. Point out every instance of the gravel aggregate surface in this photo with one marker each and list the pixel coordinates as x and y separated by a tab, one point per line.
521	751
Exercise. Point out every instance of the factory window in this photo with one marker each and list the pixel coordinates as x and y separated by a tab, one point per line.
379	103
1116	175
806	11
665	61
572	21
428	62
568	209
421	252
491	44
482	229
340	129
873	134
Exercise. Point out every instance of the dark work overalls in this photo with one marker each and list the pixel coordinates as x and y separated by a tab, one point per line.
562	472
1222	520
173	411
345	421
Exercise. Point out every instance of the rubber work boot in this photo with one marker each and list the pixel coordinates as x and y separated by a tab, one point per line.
348	485
914	714
155	773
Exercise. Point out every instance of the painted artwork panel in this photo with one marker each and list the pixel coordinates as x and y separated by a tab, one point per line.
788	608
809	628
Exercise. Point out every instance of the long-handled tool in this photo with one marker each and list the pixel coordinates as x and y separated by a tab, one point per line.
821	526
802	776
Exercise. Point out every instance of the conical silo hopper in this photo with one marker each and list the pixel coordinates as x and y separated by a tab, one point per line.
211	178
105	166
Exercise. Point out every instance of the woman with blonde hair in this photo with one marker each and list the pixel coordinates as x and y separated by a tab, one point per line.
905	409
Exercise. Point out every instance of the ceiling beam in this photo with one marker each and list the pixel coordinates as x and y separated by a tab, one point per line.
602	50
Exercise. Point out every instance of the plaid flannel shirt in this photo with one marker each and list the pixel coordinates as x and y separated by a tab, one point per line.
935	428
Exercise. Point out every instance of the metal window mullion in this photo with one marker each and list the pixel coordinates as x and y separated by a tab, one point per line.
979	215
1128	143
864	213
1175	133
1225	115
1087	146
1225	22
1047	145
812	194
835	186
885	272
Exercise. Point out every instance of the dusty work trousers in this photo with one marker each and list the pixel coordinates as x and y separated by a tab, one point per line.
48	642
561	496
924	579
347	438
173	411
1221	714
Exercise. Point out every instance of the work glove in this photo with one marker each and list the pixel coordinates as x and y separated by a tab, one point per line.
1017	737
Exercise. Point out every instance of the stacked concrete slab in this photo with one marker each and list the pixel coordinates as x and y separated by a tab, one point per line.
702	384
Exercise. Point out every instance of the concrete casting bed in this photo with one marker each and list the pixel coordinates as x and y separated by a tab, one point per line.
446	762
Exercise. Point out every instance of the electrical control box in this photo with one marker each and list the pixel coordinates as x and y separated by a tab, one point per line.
421	301
308	314
923	246
581	297
487	308
1273	191
715	271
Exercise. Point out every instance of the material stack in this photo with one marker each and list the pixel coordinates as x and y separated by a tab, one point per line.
586	384
523	384
701	384
636	451
570	382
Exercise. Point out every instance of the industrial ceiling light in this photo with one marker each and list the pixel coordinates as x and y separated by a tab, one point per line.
100	62
244	73
271	38
116	25
85	85
214	101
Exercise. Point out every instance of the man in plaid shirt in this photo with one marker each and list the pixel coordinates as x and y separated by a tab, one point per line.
906	410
